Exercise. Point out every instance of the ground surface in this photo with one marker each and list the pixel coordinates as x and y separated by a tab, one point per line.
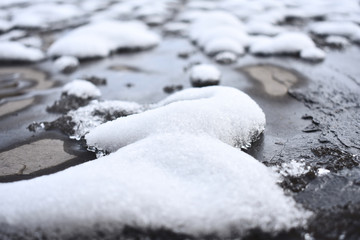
312	111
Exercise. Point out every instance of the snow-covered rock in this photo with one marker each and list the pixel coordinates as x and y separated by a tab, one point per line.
346	29
263	28
288	43
14	51
226	57
66	63
222	112
337	40
223	44
101	38
82	89
204	75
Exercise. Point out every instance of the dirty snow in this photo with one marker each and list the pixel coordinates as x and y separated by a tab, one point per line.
82	89
14	51
101	38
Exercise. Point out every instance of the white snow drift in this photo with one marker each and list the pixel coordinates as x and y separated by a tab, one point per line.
99	39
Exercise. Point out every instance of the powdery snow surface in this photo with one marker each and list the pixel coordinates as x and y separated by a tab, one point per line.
82	89
221	112
288	43
99	39
173	166
14	51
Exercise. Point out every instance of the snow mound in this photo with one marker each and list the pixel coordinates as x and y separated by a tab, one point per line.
88	117
204	75
345	29
287	43
101	38
44	14
202	187
82	89
14	51
66	63
221	112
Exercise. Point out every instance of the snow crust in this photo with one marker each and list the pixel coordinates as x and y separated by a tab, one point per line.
82	89
14	51
101	38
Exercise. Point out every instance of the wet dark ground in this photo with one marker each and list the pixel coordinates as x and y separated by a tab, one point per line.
312	112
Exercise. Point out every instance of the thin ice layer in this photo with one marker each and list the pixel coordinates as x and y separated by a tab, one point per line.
221	112
183	182
101	38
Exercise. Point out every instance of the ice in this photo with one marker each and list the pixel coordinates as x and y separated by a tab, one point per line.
222	112
345	29
289	42
66	63
187	183
204	74
82	89
101	38
14	51
88	117
44	14
293	168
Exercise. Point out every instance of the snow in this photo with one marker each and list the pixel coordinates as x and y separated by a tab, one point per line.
85	118
44	14
14	51
5	25
223	44
170	167
226	57
66	63
205	73
312	54
202	187
82	89
293	168
33	41
337	40
222	112
289	42
12	35
346	29
101	38
263	28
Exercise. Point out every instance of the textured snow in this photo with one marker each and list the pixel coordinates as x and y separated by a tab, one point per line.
222	112
85	118
14	51
205	73
289	42
42	15
82	89
99	39
65	63
346	29
202	187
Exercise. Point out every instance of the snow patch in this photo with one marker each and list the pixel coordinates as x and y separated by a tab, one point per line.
14	51
82	89
101	38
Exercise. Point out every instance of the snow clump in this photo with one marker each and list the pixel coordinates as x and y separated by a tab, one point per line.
101	38
81	89
14	51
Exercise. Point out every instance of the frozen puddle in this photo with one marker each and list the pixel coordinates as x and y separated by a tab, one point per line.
171	167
